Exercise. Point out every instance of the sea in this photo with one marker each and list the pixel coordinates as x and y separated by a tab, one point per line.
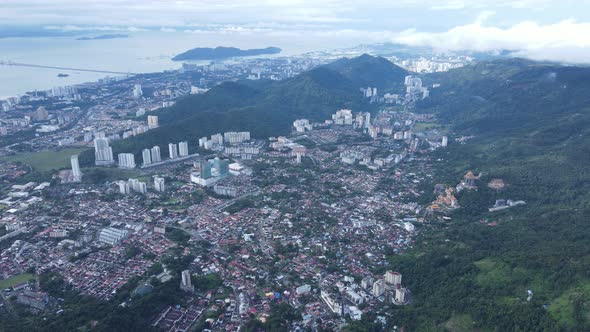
142	52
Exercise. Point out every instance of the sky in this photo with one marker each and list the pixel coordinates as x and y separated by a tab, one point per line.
538	29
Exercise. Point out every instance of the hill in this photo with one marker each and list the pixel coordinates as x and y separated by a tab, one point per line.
203	53
367	70
101	37
266	108
530	124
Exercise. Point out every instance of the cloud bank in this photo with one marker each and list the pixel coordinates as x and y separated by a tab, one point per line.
564	41
538	29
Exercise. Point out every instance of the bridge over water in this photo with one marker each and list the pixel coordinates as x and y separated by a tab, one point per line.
12	63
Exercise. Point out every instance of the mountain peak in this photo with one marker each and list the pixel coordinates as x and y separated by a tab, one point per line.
368	70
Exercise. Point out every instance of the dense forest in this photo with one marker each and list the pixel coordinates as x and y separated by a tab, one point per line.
530	124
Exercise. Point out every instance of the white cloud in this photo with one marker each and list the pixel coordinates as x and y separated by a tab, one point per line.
523	25
69	28
566	40
180	13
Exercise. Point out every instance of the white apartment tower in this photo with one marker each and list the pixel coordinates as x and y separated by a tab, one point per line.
126	160
156	156
147	157
124	187
137	92
159	184
152	121
103	153
77	174
186	283
393	278
173	150
378	288
183	149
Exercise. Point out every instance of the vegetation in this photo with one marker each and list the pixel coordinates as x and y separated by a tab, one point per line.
98	175
530	124
368	71
16	280
204	53
265	108
46	160
177	235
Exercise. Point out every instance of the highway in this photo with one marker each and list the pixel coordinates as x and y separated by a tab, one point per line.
11	63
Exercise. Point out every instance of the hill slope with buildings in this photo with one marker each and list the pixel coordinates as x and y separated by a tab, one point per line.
265	109
526	268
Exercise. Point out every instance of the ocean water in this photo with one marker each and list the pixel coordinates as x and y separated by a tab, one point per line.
142	52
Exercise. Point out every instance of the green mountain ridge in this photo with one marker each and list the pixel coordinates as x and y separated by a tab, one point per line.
205	53
367	70
531	126
265	108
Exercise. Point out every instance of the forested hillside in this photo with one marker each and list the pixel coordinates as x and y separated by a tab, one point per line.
266	108
531	126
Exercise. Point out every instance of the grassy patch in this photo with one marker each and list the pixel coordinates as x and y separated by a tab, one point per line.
492	273
421	126
46	160
459	323
572	307
15	280
102	174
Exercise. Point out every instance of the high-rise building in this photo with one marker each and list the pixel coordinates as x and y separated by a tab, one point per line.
233	137
138	186
445	141
223	167
152	121
41	114
76	173
367	121
302	125
103	153
202	141
137	92
126	160
159	184
393	278
205	169
124	187
217	139
378	288
367	282
342	117
156	157
87	137
183	149
142	187
147	157
111	235
186	284
400	295
173	150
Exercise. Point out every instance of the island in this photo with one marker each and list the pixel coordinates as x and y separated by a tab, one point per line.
115	36
204	53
